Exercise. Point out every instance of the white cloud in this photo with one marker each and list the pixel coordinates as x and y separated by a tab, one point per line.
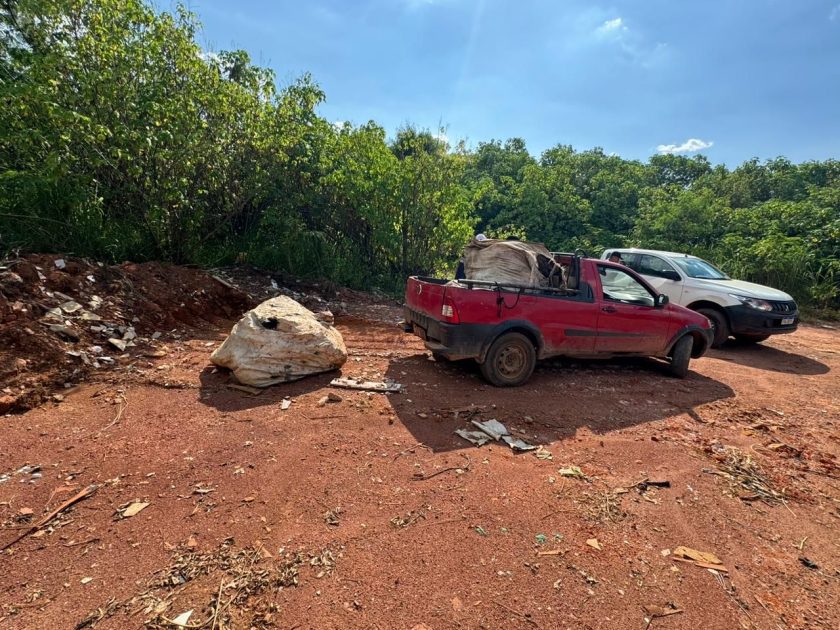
338	125
442	137
615	26
835	13
689	146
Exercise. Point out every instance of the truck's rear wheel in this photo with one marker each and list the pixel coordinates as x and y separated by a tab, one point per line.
438	357
720	327
681	356
510	360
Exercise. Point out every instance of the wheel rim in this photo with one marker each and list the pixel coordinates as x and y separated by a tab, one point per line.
511	361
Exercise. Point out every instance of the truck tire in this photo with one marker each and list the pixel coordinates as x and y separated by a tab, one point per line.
681	356
752	338
510	360
438	357
720	327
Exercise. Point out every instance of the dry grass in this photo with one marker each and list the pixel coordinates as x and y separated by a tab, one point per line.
744	474
242	576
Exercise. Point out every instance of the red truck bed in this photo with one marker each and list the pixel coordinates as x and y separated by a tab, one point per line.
622	315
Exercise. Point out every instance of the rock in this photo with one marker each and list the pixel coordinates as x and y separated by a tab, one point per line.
280	341
27	271
7	402
71	306
329	398
65	331
119	344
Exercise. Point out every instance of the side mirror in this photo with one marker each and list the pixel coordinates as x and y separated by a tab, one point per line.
661	300
672	275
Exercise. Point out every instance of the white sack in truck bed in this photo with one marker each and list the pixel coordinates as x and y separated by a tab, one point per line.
280	341
512	262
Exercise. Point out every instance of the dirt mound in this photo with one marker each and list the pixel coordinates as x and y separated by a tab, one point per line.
62	318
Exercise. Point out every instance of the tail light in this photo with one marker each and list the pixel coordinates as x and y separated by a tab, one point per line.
449	311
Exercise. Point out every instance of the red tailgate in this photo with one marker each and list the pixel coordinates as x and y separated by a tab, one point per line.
425	296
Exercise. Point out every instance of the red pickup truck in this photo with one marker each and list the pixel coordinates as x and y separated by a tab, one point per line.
603	310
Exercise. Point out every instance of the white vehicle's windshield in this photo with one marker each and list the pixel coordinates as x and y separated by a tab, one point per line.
698	268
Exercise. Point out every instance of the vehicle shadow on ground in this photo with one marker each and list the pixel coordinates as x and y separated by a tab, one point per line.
768	358
215	391
562	397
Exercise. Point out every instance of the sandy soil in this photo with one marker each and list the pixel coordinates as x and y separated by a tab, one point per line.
333	517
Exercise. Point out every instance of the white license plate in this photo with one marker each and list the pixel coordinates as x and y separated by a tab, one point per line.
787	321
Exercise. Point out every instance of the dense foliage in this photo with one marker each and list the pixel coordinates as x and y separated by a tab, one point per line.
121	138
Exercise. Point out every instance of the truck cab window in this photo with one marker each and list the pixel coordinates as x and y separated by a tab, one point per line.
620	286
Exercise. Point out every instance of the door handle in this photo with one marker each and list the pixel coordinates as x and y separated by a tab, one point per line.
608	309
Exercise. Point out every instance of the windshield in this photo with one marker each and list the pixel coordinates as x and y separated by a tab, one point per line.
698	268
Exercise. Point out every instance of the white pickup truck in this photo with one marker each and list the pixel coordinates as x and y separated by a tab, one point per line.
750	312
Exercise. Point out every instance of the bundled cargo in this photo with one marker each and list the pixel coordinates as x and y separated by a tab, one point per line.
512	263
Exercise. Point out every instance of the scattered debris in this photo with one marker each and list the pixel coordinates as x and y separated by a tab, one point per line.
70	307
140	298
593	542
82	494
331	517
254	391
808	563
419	476
702	559
66	332
34	472
741	471
479	438
572	471
543	453
605	506
646	483
370	386
410	518
110	607
496	431
86	580
285	404
183	619
244	575
131	509
329	398
119	344
653	611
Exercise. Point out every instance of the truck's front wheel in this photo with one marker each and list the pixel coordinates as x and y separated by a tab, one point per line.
681	356
510	360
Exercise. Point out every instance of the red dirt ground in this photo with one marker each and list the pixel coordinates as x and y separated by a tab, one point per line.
382	546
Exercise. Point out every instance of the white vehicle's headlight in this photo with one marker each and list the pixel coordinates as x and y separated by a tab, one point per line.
760	305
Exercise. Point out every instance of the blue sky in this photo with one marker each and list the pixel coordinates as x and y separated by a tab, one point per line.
733	79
